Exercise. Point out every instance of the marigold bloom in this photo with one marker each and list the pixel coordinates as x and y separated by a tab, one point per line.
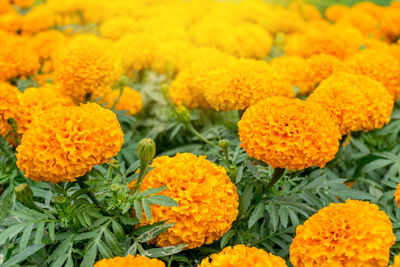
130	100
396	261
86	64
65	143
290	133
355	102
397	195
5	6
38	19
169	56
207	199
34	101
307	11
47	42
11	21
131	261
378	65
240	83
362	21
23	3
355	233
9	104
17	59
334	12
390	23
115	28
240	255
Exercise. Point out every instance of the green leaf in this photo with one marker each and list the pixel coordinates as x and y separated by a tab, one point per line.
152	191
239	175
90	256
5	203
253	169
273	215
10	232
377	164
113	242
226	237
293	218
162	200
118	230
284	216
138	209
146	208
52	231
165	251
257	214
347	193
104	250
153	232
23	255
26	236
39	233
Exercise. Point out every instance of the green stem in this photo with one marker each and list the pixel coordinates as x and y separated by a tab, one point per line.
142	173
14	129
81	182
191	129
121	90
278	173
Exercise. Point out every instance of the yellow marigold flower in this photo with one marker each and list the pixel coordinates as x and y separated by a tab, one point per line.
307	11
378	65
370	8
23	3
355	102
131	261
136	51
362	21
84	65
240	255
65	143
47	42
9	104
5	6
38	19
17	59
390	22
189	85
169	56
11	21
355	233
240	83
290	133
242	40
397	195
207	199
130	100
319	67
117	27
42	79
396	261
339	41
334	12
293	69
34	101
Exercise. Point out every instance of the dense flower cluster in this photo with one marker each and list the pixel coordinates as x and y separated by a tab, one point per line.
355	233
130	261
84	65
66	142
396	262
355	102
8	109
130	100
290	133
207	199
240	255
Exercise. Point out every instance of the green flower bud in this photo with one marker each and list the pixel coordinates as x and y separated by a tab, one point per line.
183	114
115	187
60	200
223	143
146	149
123	81
24	194
114	163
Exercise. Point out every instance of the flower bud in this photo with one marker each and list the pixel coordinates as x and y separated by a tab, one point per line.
123	81
146	149
223	143
114	187
60	200
183	114
24	194
114	163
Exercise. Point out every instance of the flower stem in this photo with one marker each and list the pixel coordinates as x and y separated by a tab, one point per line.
14	129
191	129
278	173
81	182
142	173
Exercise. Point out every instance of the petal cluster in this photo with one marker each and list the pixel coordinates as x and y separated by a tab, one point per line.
130	261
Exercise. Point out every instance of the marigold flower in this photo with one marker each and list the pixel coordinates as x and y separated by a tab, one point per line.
117	27
362	21
65	143
86	64
11	21
355	233
169	56
378	65
390	22
307	11
34	101
240	255
23	3
283	20
131	261
47	42
334	12
130	100
318	68
396	261
38	19
207	199
5	6
371	9
290	133
355	102
17	59
397	195
240	83
9	104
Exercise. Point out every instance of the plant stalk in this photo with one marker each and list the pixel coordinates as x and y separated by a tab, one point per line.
278	173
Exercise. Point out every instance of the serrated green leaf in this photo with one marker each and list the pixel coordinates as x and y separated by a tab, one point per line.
226	237
162	200
147	209
118	230
257	214
284	216
24	254
165	251
253	169
153	232
90	256
113	242
26	236
138	209
39	232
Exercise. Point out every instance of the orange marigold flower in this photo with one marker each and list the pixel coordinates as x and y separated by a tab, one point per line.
34	101
5	6
355	102
378	65
240	255
131	261
396	262
169	56
38	19
318	68
334	12
86	64
117	27
362	21
355	233
9	104
17	59
23	3
47	42
290	133
130	100
390	22
397	195
11	21
208	201
307	11
240	83
65	143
